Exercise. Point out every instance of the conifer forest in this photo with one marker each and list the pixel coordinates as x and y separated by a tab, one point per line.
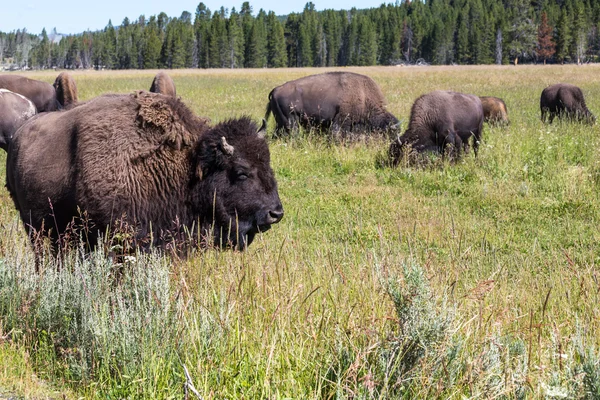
406	32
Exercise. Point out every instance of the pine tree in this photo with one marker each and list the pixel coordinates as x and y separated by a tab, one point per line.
110	47
151	51
523	35
276	52
43	51
235	36
563	37
202	33
257	47
546	47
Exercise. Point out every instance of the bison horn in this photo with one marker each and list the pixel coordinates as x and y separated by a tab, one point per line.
397	125
226	147
263	129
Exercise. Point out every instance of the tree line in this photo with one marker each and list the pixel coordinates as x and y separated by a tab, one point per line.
410	31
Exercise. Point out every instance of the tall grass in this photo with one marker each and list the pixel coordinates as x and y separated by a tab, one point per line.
477	279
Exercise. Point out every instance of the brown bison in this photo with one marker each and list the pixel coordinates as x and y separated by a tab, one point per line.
15	109
341	101
494	110
564	100
66	90
147	159
42	94
163	84
440	119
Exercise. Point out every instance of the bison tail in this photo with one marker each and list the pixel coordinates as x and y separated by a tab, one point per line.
269	108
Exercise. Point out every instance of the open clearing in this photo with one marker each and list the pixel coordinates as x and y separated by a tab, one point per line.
477	279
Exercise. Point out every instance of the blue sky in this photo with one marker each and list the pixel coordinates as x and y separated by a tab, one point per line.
77	16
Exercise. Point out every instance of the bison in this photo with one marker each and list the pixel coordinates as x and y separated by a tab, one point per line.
144	158
15	109
564	100
163	84
66	90
42	94
342	101
494	110
440	119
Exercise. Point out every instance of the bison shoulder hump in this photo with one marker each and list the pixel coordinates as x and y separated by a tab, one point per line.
157	111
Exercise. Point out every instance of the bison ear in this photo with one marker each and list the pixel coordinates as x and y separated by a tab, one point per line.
225	147
262	131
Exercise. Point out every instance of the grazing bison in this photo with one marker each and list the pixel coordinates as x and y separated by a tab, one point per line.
494	110
66	90
163	84
15	109
439	119
42	94
338	100
564	100
147	159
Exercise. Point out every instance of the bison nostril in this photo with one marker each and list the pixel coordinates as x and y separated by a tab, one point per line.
276	215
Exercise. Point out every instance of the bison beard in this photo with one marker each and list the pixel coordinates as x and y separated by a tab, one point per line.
146	159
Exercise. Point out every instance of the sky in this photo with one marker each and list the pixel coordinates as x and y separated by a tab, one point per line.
78	16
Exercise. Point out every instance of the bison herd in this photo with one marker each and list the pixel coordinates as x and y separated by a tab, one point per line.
146	160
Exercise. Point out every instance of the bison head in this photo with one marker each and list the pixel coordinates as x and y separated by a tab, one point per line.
235	185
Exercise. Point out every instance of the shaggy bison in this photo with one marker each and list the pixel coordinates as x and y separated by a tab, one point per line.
494	110
342	101
564	100
439	119
42	94
144	158
15	109
163	84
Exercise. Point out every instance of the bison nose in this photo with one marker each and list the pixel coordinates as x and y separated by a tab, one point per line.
275	215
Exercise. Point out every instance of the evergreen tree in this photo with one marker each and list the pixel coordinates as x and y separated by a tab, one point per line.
276	51
563	37
152	44
257	47
235	40
523	36
202	33
43	51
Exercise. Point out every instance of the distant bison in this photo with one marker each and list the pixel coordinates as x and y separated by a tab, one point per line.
163	84
147	159
440	119
564	100
15	109
42	94
494	110
66	90
342	101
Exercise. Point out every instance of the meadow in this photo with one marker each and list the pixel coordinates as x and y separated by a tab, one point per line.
469	280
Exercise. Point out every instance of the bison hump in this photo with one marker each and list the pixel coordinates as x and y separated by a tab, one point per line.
156	111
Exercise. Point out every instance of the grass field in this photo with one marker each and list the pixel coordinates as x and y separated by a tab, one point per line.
472	280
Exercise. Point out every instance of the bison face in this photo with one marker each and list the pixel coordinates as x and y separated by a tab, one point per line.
236	187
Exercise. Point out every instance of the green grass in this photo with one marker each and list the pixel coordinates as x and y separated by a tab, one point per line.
477	279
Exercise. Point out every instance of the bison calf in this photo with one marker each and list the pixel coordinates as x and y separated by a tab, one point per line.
439	120
342	101
564	100
494	110
163	84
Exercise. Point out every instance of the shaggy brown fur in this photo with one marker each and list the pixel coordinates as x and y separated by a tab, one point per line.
15	109
148	159
564	100
42	94
343	101
440	119
163	84
66	90
494	110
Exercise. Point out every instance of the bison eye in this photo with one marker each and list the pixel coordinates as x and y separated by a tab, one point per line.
241	176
